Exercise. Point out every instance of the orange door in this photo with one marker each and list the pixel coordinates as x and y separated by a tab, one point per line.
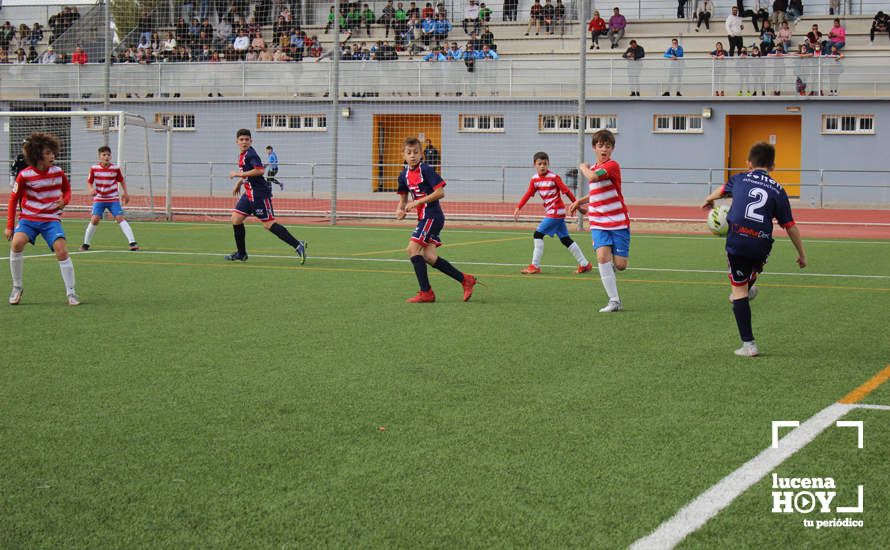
783	131
389	133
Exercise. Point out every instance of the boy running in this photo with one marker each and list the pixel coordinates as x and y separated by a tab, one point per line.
426	188
103	183
607	215
41	191
256	200
757	199
551	189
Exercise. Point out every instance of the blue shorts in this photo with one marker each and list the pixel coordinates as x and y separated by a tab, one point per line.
50	231
553	226
618	239
114	207
260	206
427	231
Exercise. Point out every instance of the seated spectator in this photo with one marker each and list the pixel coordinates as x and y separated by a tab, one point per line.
155	41
617	24
559	16
205	54
428	31
181	30
241	44
837	36
767	38
24	34
168	46
79	56
48	57
258	43
20	57
280	55
265	56
759	14
488	53
704	16
428	11
297	45
413	10
535	16
32	55
36	34
435	55
440	10
547	14
487	38
780	7
182	55
4	56
454	53
485	13
815	37
795	10
443	27
880	23
388	16
597	28
353	19
471	17
368	18
784	37
315	49
400	23
206	27
144	42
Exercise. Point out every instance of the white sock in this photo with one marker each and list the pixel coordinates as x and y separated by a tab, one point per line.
607	275
67	268
538	253
88	236
578	254
16	266
128	231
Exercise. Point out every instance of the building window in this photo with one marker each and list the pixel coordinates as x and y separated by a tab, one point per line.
677	124
178	121
848	124
568	124
95	122
481	123
292	123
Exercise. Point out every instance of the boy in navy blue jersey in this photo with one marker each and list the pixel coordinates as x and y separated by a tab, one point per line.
757	199
426	188
256	200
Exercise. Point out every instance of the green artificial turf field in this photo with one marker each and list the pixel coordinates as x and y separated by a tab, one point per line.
192	402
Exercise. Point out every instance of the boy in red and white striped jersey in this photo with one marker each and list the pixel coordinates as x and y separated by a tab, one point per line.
607	214
103	183
551	189
41	191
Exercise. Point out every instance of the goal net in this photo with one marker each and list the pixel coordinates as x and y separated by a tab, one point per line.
140	147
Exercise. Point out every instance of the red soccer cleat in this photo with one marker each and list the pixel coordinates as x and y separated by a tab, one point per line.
531	270
422	297
584	268
468	283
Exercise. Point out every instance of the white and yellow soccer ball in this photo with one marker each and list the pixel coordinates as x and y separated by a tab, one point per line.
717	220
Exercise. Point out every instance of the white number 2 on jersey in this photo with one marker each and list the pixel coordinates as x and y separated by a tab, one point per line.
760	197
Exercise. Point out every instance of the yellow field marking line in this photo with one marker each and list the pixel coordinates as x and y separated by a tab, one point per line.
450	245
869	386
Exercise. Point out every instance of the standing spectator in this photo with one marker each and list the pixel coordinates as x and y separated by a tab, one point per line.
634	54
718	54
742	66
704	16
675	67
79	56
387	16
837	36
834	7
511	10
535	16
681	9
617	24
759	14
487	39
7	32
400	26
784	37
432	156
734	30
471	17
413	11
597	28
834	68
778	63
143	26
779	9
880	23
757	70
547	14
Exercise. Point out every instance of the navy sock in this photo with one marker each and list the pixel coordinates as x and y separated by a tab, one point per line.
742	310
448	269
282	233
423	278
239	238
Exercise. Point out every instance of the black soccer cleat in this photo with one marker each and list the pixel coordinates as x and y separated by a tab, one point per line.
301	251
236	257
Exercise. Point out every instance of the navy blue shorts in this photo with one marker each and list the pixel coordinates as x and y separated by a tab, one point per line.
260	206
427	231
744	270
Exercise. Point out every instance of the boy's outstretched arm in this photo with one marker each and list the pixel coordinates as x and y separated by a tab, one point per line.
794	235
709	200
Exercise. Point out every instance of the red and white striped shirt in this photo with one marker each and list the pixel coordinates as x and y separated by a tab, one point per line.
551	188
36	193
105	179
606	208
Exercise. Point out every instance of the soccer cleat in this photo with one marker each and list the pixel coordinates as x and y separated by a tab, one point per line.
15	296
468	283
73	299
612	306
531	270
584	268
301	251
84	247
752	293
748	349
134	246
236	257
422	297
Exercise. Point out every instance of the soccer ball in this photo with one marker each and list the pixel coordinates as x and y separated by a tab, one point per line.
717	220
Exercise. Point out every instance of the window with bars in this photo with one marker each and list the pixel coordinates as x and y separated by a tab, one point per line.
848	124
481	123
95	122
677	124
568	124
280	122
178	121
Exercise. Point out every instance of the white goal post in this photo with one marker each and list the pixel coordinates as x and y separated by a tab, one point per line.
80	133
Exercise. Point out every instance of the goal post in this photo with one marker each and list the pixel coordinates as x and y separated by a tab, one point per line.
80	134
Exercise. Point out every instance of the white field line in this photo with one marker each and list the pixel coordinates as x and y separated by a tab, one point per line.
708	504
874	407
484	264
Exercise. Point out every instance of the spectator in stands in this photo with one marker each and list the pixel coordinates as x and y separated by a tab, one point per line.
280	55
511	10
547	14
734	30
413	10
7	32
388	16
143	27
681	9
634	54
837	36
262	12
315	48
36	34
704	16
471	17
767	38
454	53
185	9
784	37
880	23
79	56
265	56
428	10
435	55
241	44
428	30
20	57
332	21
168	46
535	16
757	71
400	23
795	10
368	18
617	24
4	56
780	7
597	28
778	62
559	17
413	32
815	37
48	57
759	14
487	53
258	44
353	19
741	67
443	28
718	54
675	67
155	41
834	69
487	38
